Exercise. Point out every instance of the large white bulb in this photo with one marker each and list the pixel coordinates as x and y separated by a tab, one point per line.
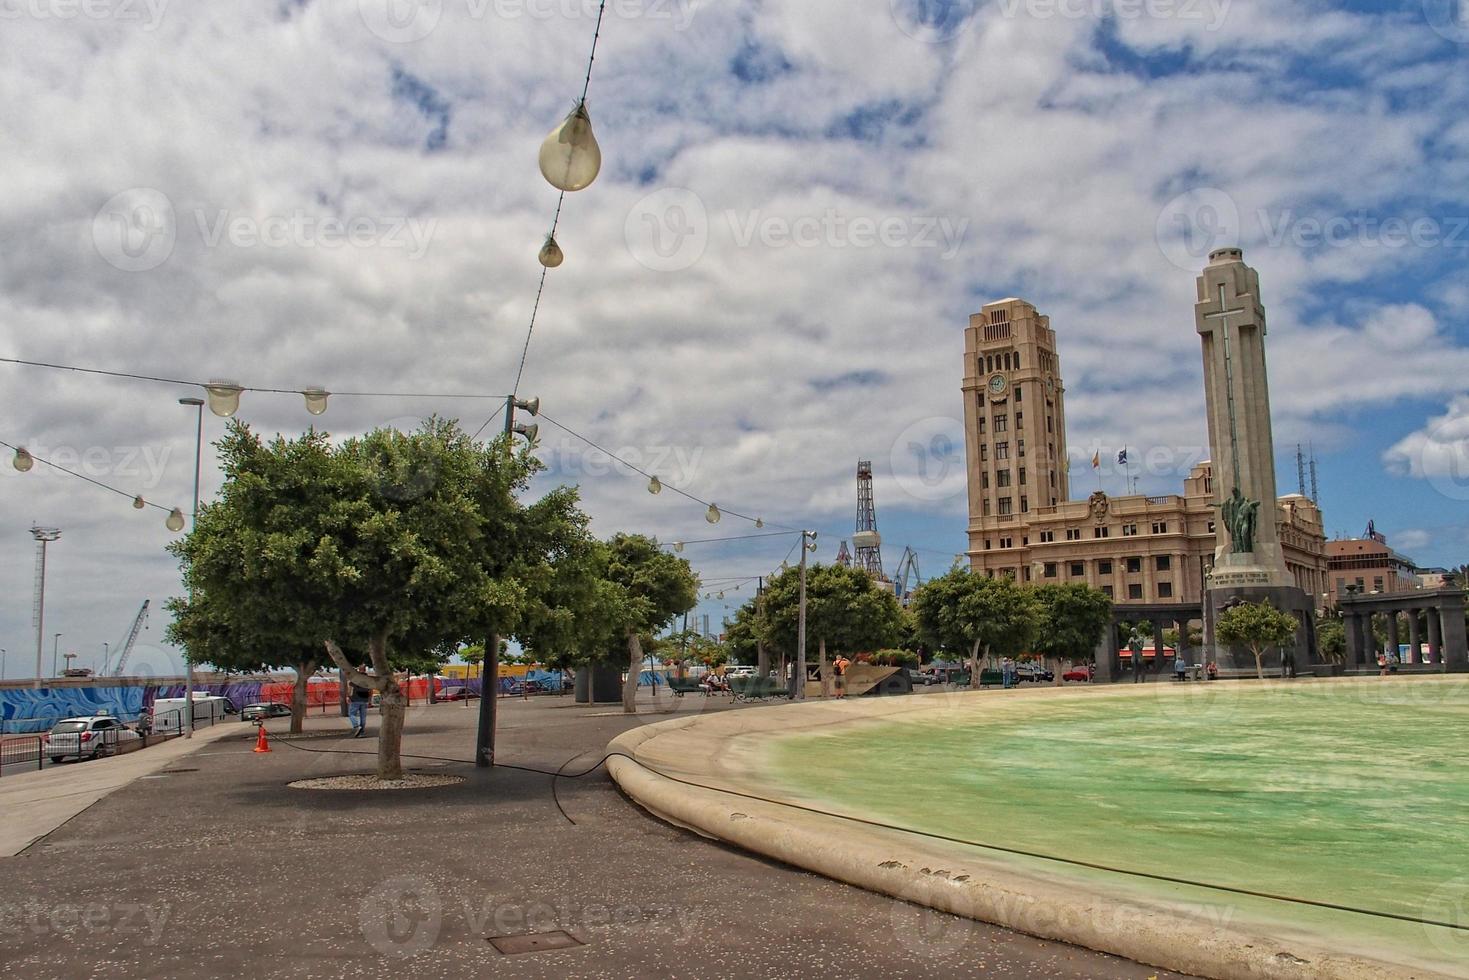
570	156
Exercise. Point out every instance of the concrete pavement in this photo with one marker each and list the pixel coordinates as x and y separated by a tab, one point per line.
218	868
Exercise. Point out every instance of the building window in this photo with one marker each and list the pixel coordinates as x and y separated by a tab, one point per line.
986	507
1018	393
1134	591
1104	567
1341	585
1047	537
1020	448
1211	527
1053	481
1022	476
1050	425
986	544
1017	360
1024	504
1376	582
1002	478
1134	565
1050	569
1007	542
989	363
1129	530
981	425
1002	450
1101	532
1078	570
1002	423
1005	506
1107	591
984	454
1019	419
1160	527
1165	590
1164	563
984	480
1073	534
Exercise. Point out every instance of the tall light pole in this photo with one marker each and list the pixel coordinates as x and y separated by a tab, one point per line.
799	691
489	685
55	649
43	536
106	657
198	405
2	663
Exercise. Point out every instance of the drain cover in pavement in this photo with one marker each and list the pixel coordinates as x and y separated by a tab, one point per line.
534	942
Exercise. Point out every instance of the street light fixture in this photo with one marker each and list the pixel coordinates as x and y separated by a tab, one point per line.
178	518
43	536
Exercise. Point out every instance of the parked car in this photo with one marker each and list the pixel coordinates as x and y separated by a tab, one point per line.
1083	674
264	709
456	694
1034	672
89	737
926	678
739	670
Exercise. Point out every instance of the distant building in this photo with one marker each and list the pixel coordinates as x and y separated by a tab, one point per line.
1022	522
1431	578
1370	565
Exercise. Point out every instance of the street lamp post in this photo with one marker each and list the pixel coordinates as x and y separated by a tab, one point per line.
55	648
2	663
798	685
198	405
489	685
106	656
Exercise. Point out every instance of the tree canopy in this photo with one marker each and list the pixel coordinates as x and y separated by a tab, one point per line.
1258	626
961	614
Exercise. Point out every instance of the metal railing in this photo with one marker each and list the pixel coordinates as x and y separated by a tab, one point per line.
21	753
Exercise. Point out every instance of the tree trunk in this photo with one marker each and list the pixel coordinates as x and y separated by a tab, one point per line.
762	658
826	682
1259	663
974	666
634	670
391	709
304	671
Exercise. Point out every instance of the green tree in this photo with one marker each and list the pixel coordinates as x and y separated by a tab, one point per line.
963	614
1331	639
651	588
846	612
1257	626
1072	618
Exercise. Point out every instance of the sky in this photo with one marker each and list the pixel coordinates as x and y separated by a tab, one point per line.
801	203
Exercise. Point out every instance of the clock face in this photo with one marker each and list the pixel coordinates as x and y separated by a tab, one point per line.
1050	384
998	384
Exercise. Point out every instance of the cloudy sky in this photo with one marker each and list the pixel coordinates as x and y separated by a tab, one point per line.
802	201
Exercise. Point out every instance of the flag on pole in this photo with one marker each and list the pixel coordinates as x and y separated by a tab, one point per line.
1097	460
1122	458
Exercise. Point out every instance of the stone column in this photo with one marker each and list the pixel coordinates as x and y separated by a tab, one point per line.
1106	655
1415	635
1455	643
1353	630
1369	640
1156	625
1435	636
1392	633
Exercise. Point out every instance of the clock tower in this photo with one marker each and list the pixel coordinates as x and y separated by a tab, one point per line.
1014	428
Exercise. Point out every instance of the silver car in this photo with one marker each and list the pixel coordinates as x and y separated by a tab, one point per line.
90	737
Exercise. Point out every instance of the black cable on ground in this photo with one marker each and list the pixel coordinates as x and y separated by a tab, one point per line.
1018	852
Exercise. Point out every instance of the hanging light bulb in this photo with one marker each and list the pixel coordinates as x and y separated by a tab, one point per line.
316	400
139	503
570	156
712	515
224	398
23	460
759	522
678	546
655	486
721	595
551	255
175	520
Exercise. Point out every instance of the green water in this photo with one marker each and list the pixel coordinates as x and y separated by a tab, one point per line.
1358	798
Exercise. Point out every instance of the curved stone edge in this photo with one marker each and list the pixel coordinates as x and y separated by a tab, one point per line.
906	867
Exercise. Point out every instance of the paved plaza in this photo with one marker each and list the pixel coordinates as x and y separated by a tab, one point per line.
211	866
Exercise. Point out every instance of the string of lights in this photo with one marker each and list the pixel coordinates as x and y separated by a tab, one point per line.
25	461
656	486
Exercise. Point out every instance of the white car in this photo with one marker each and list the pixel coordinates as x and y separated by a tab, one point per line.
90	737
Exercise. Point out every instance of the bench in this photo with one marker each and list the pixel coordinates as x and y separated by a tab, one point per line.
685	685
758	688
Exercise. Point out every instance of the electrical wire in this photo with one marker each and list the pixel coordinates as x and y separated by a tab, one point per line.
561	773
639	470
95	483
556	218
738	537
266	390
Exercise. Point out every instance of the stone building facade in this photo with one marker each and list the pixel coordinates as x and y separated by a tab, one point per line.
1370	565
1022	522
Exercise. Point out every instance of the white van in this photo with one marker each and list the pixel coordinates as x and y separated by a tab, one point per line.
168	713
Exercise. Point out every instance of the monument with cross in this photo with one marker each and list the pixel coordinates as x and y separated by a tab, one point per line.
1249	565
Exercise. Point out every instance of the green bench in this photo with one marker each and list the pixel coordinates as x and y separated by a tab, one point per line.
685	685
758	688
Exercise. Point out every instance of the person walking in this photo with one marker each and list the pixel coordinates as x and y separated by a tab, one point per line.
357	704
1180	668
839	670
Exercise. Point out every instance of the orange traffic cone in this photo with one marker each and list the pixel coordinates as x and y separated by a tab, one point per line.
261	745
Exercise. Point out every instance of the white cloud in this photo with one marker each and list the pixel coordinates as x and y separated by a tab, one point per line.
1438	452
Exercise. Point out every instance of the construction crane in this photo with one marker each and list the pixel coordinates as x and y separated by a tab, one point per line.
867	540
127	645
908	566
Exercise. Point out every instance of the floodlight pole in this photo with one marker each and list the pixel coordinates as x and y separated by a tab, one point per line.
799	691
198	404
